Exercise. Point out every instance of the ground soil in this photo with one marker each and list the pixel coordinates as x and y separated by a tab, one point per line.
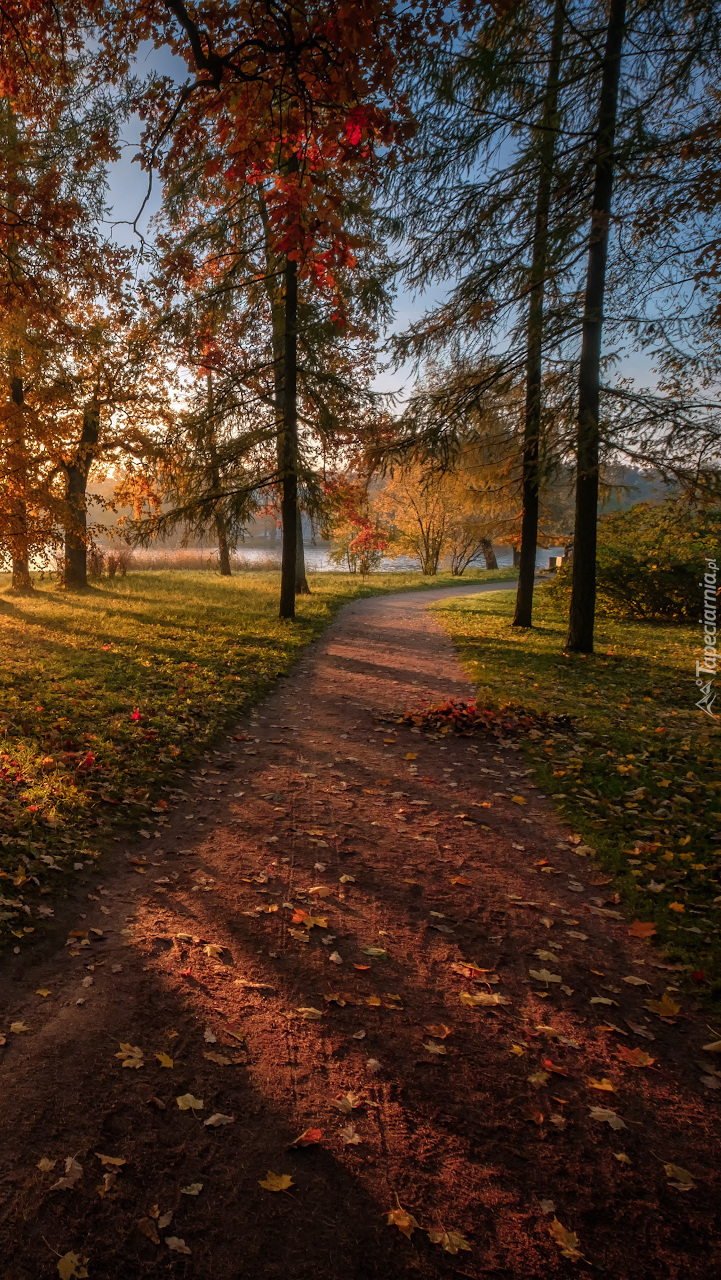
430	858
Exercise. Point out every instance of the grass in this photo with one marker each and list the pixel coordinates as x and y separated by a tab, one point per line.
105	696
638	776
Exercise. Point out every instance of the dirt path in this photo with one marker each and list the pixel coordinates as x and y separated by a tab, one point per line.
199	947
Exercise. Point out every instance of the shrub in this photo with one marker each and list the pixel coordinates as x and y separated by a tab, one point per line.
650	560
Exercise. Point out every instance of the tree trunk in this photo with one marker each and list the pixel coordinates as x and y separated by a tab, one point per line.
221	528
223	547
583	590
301	582
516	563
75	568
288	444
489	554
21	580
523	616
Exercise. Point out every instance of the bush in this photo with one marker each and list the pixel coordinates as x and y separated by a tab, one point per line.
650	561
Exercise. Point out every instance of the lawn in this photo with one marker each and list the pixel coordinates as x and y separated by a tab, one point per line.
637	778
105	696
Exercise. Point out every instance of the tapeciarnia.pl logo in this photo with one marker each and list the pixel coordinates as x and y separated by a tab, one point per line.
708	666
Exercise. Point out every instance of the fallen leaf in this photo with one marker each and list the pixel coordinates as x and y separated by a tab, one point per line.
666	1007
610	1117
642	929
308	1138
42	991
439	1030
481	999
111	1162
346	1102
187	1102
131	1055
350	1137
634	981
404	1221
192	1189
602	1000
435	1048
149	1229
677	907
164	1060
378	953
543	975
634	1057
73	1172
604	1084
176	1244
45	1165
713	1047
451	1241
621	1157
679	1178
518	800
72	1267
18	1027
218	1119
567	1241
538	1078
218	1057
276	1181
411	755
309	1013
547	1206
518	1050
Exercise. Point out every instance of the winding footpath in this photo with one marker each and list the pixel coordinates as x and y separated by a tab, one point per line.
339	924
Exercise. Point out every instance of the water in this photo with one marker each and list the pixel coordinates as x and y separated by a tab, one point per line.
318	561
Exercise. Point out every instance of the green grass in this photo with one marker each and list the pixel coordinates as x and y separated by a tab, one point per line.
105	696
638	776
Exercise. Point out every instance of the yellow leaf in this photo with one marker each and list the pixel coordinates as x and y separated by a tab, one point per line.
439	1030
310	1013
543	975
567	1241
518	1050
45	1165
111	1161
320	891
621	1157
403	1220
164	1059
435	1048
538	1078
72	1267
276	1181
213	950
132	1055
411	755
604	1084
374	1001
42	991
187	1102
679	1178
713	1047
452	1241
518	800
18	1028
481	999
665	1007
676	906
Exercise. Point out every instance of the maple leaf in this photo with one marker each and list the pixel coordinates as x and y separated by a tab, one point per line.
346	1102
543	975
404	1221
666	1007
435	1048
131	1055
604	1084
276	1181
164	1060
72	1267
642	929
439	1030
451	1241
567	1241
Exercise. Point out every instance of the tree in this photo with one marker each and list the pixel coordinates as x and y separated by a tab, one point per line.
583	595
